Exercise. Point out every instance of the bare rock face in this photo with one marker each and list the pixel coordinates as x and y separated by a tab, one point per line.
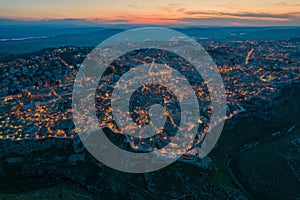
269	167
33	164
296	143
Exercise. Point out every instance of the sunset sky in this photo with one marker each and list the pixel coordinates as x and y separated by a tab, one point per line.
187	12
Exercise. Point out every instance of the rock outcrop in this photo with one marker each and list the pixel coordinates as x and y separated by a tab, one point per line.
31	164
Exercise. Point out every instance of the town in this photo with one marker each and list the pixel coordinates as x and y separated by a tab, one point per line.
36	90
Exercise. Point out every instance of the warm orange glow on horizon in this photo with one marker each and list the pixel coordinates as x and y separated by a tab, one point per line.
154	12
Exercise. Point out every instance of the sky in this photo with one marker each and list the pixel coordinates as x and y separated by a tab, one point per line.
185	12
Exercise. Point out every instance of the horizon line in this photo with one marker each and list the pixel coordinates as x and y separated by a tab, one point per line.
107	22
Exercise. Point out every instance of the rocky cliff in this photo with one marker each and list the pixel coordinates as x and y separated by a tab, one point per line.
32	164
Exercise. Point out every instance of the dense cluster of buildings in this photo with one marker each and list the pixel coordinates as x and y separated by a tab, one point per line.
36	90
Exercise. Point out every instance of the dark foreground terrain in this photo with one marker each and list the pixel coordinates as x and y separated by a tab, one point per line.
257	157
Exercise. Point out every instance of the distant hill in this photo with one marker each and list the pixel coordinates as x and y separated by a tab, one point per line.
243	33
81	37
17	39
